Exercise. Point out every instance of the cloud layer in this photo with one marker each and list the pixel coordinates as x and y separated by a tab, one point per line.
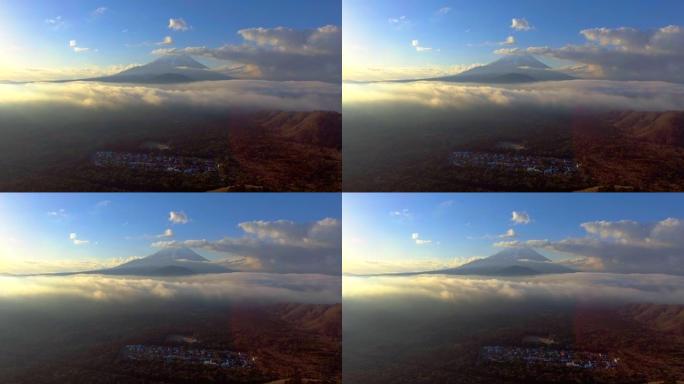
234	287
624	53
586	94
218	94
50	74
624	246
23	265
280	53
586	287
380	73
280	246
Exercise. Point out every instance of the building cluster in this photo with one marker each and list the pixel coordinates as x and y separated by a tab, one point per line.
178	354
530	164
548	357
155	162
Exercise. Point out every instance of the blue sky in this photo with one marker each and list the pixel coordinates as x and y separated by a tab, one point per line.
37	226
380	227
380	32
123	32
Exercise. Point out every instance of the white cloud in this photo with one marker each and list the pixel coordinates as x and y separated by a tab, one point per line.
103	204
443	11
178	217
178	24
508	234
508	51
509	243
510	40
100	11
281	246
403	214
399	22
168	233
280	53
76	241
520	217
521	25
60	214
73	45
419	48
624	246
168	40
624	53
416	238
56	23
248	94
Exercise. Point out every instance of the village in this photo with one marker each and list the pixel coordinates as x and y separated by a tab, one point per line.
177	354
155	162
530	164
548	357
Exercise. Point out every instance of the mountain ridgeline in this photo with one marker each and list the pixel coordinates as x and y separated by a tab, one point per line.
165	70
167	262
509	262
508	70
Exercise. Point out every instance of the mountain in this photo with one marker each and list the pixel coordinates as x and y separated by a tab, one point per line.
165	70
318	128
667	318
322	319
167	262
508	69
665	128
509	262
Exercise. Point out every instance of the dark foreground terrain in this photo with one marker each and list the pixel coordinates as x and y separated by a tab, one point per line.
515	344
501	150
180	343
49	149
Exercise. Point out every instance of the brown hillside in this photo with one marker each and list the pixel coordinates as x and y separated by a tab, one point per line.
321	319
661	317
320	128
657	127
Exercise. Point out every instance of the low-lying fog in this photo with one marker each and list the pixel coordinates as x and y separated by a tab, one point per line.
237	287
589	94
431	328
247	94
405	291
